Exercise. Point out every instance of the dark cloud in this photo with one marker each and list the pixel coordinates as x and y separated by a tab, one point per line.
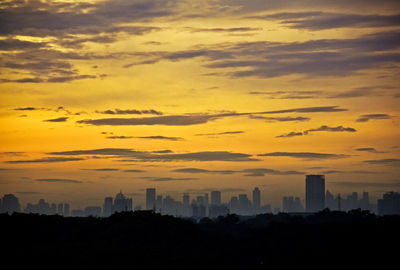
11	44
133	111
25	109
162	151
131	155
322	21
220	133
28	192
120	137
287	94
290	134
223	30
161	138
304	155
378	116
196	170
263	172
367	184
246	172
280	119
386	161
347	172
369	149
165	179
195	119
60	119
57	180
134	171
325	57
103	170
45	160
321	128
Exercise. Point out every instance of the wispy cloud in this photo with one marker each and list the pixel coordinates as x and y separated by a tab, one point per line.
46	160
321	128
304	155
57	180
378	116
60	119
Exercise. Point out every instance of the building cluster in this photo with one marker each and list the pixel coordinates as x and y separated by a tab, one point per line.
210	204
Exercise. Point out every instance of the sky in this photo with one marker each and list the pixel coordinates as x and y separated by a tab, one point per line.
189	96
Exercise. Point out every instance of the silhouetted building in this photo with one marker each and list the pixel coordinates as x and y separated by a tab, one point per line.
66	210
94	211
315	193
292	205
159	203
77	213
215	197
150	199
217	210
256	200
108	206
244	205
10	204
60	209
389	204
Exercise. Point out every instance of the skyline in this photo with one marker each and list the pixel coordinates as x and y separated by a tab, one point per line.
188	96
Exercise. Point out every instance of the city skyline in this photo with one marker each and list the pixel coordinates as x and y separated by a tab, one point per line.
98	96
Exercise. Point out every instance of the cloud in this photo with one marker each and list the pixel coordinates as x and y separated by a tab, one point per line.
367	117
134	171
386	161
133	111
57	180
263	172
60	119
195	119
103	170
366	184
304	155
322	21
28	192
246	172
263	59
119	137
347	172
321	128
196	170
369	149
167	179
223	30
45	160
11	44
280	119
25	109
161	138
220	133
132	155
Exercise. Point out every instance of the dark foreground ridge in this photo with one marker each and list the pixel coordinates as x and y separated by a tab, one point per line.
145	240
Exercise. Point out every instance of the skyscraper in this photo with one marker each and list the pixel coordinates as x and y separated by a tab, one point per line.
256	199
108	206
151	199
66	209
10	204
215	197
315	193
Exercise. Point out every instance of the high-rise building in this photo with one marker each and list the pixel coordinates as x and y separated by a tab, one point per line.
121	203
389	204
108	206
60	209
256	200
215	197
10	204
159	203
315	193
151	199
66	209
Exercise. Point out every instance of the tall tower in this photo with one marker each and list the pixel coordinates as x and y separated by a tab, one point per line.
215	197
150	199
108	206
256	199
315	193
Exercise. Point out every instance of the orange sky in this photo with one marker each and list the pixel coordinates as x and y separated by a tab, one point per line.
189	96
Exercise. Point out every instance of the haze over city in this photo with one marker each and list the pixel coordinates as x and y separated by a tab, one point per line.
98	97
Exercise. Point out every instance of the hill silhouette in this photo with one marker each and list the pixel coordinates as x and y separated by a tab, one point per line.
145	240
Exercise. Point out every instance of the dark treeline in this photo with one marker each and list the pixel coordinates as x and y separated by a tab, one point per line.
145	240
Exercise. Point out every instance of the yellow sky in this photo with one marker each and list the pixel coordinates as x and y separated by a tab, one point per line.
214	82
